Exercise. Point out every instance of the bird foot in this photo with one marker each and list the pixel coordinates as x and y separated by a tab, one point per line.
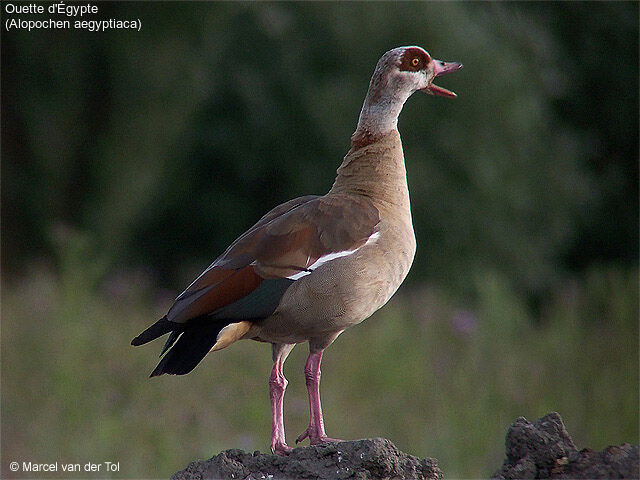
316	439
281	448
324	439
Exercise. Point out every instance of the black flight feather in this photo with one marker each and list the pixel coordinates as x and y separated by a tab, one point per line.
156	330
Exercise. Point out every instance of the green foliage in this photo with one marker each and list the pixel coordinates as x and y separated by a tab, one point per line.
164	145
436	379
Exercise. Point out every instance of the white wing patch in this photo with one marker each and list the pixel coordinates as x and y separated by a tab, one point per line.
332	256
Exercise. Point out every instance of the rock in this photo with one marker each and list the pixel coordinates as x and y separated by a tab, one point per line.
358	460
544	449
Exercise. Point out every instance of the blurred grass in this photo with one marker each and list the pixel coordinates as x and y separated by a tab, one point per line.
437	379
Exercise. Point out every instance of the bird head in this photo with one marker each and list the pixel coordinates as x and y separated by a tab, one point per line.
405	70
399	73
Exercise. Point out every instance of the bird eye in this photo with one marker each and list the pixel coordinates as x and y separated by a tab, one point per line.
415	61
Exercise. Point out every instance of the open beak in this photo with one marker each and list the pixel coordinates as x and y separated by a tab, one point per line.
442	68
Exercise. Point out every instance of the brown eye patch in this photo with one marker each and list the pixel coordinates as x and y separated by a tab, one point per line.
414	60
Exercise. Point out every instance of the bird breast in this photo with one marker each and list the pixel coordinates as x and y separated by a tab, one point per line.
346	290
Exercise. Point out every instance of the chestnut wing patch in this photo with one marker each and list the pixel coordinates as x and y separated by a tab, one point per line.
249	279
232	261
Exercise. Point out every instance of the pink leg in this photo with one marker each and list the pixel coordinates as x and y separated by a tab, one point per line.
315	431
277	387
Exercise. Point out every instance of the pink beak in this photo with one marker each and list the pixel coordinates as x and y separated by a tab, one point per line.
442	68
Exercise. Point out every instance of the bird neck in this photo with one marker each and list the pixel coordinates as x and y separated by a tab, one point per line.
376	171
380	111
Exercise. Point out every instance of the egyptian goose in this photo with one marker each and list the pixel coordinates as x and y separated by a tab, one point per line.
316	265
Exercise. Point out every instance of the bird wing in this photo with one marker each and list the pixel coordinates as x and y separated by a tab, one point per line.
248	280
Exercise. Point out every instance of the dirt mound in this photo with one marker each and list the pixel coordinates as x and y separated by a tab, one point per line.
377	458
544	449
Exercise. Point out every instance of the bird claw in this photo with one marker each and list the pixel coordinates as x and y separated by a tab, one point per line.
316	440
281	449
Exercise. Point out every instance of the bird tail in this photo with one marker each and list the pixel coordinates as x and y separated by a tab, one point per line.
189	349
191	343
156	330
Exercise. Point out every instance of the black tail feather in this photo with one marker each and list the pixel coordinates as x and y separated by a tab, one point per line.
189	349
170	341
156	330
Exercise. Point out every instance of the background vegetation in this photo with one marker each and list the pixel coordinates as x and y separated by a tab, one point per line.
131	159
